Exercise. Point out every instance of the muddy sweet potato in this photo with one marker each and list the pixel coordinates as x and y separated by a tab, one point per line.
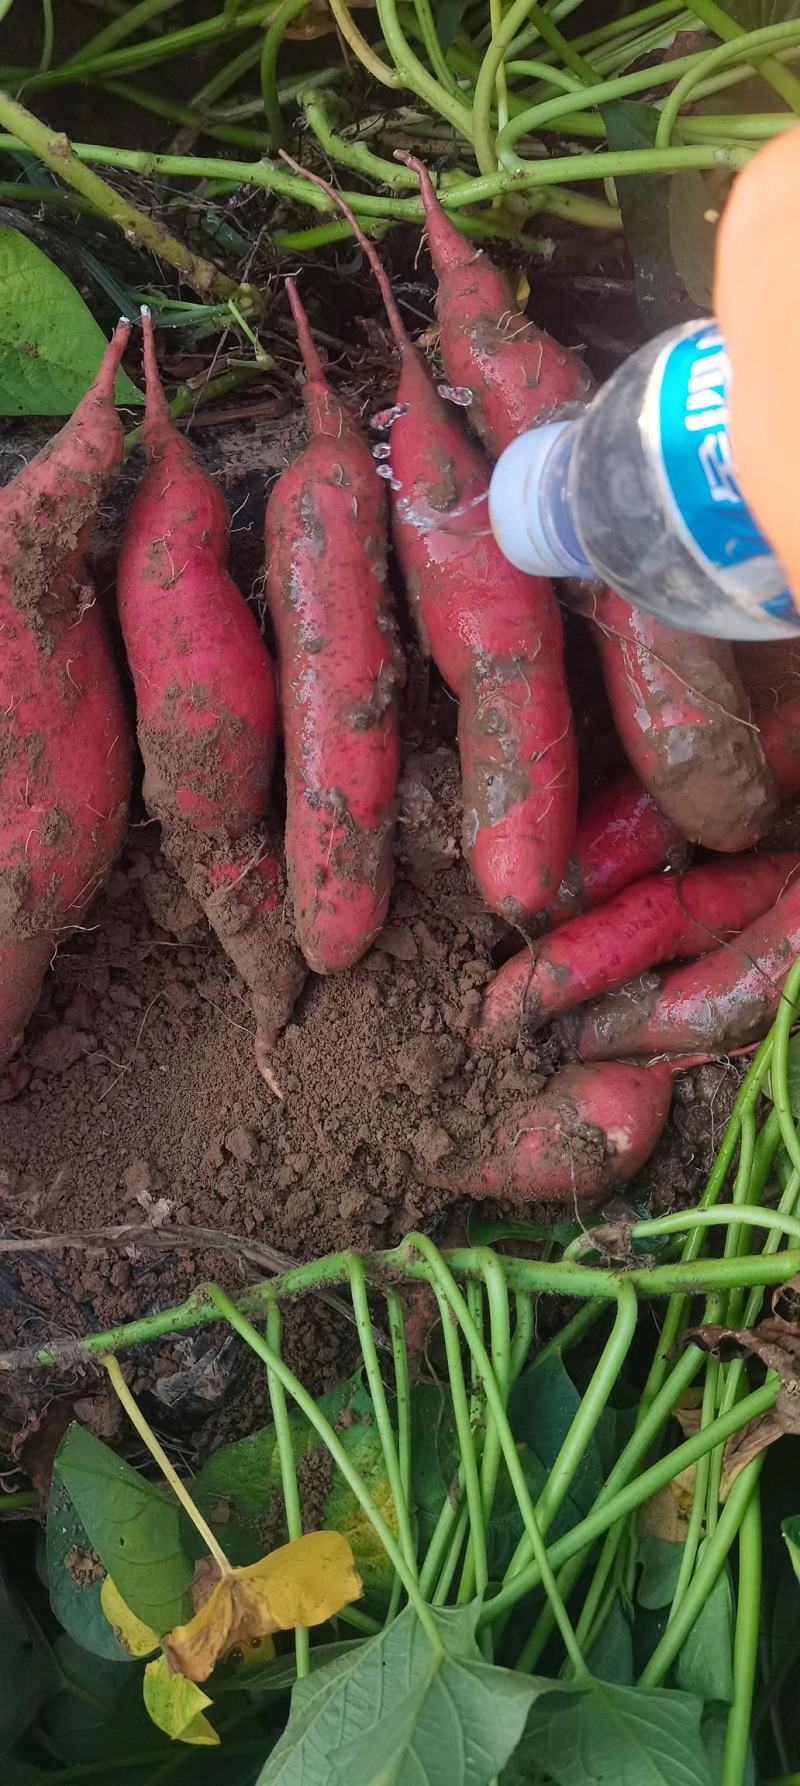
65	759
662	918
590	1130
518	375
684	719
494	634
722	1002
341	670
206	710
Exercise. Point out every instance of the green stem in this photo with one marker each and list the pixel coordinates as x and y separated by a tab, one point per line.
136	56
742	44
187	398
433	49
724	26
499	1318
446	1286
466	1443
745	1644
18	1500
415	75
134	18
358	1291
291	1492
273	39
580	1538
57	153
185	114
307	1405
712	1561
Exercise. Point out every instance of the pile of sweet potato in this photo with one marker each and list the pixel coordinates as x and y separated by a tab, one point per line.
591	893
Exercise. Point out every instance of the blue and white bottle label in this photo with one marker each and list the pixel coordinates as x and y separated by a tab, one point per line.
685	423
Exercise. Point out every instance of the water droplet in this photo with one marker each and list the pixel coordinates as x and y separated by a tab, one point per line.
382	450
384	418
459	394
385	471
395	484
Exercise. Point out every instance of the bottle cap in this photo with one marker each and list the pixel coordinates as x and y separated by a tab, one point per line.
519	509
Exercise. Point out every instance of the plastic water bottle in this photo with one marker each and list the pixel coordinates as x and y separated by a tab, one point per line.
640	489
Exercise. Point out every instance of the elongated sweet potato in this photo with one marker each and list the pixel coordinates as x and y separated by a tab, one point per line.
590	1130
620	837
724	1001
65	761
341	669
658	919
494	634
684	719
206	709
518	375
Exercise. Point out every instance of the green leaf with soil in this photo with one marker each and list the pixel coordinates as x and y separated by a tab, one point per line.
239	1488
50	344
75	1577
645	204
27	1669
399	1711
131	1525
590	1733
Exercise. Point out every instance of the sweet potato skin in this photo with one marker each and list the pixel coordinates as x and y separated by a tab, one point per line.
620	837
590	1130
518	375
205	686
684	719
725	1001
341	669
65	760
206	710
655	920
496	637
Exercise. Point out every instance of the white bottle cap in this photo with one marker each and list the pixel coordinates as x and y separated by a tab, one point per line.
515	511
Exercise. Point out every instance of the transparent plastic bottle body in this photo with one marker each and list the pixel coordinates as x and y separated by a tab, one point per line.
615	488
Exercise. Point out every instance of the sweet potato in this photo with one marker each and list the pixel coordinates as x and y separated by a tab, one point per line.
206	708
684	719
620	837
341	669
65	760
658	919
779	730
725	1001
590	1130
518	375
495	636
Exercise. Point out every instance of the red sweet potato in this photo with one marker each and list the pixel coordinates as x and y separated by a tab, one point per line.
658	919
684	719
779	729
590	1130
65	761
518	375
621	836
206	708
495	636
725	1001
340	672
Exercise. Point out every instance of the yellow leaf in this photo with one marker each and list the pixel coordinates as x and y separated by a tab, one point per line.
252	1654
134	1635
302	1584
662	1516
522	291
176	1705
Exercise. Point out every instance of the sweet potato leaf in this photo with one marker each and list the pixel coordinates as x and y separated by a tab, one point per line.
50	344
75	1577
131	1525
397	1711
591	1733
27	1668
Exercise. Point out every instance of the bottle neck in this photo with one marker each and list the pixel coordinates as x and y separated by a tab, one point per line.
530	505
